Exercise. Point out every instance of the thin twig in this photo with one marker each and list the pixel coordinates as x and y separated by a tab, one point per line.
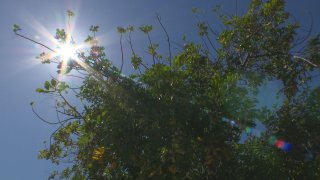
24	37
206	46
122	60
67	114
73	108
52	134
71	75
211	29
132	50
130	43
52	123
306	60
167	35
236	7
151	46
306	37
213	47
42	119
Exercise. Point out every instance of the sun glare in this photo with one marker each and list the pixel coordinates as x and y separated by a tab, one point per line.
67	51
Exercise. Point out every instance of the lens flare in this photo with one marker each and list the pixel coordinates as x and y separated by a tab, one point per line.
272	140
279	143
67	51
248	130
287	147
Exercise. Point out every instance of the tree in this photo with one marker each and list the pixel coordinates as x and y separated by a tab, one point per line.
182	116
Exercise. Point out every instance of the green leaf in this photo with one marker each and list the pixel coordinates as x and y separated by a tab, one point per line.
47	85
136	61
62	86
53	82
145	28
194	10
89	39
61	35
16	28
121	30
40	90
130	28
203	29
70	13
94	28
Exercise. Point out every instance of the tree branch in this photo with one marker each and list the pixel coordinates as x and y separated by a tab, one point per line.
122	60
69	105
150	42
29	39
167	35
306	60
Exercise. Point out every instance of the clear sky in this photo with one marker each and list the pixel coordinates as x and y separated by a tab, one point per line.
21	133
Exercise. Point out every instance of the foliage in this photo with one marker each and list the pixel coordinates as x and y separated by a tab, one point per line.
183	119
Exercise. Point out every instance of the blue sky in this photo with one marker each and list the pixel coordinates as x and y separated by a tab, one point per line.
21	133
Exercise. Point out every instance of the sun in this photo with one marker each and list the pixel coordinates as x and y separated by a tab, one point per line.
67	51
